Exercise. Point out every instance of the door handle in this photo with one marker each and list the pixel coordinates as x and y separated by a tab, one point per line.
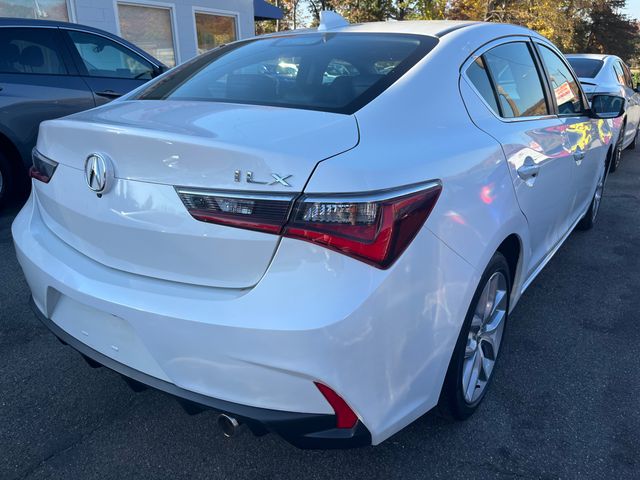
578	157
109	94
529	170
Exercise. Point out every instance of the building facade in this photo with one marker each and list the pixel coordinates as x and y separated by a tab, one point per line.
171	30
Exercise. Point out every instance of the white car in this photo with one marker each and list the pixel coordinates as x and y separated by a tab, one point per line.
608	74
323	260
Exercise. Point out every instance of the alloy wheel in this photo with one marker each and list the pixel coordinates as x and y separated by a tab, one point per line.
485	337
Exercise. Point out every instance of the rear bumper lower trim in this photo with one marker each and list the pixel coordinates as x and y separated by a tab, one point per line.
304	430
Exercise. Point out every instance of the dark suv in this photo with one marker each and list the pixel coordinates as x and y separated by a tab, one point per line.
52	69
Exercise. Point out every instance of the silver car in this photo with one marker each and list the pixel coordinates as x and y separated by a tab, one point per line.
609	74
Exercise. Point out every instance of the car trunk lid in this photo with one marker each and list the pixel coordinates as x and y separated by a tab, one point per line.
140	224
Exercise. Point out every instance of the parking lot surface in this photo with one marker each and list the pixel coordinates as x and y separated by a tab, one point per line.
564	402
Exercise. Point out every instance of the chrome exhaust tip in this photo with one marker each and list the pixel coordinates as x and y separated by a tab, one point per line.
228	425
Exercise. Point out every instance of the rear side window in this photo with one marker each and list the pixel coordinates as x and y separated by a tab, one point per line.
105	58
586	67
563	84
628	80
619	73
478	75
516	80
31	50
334	72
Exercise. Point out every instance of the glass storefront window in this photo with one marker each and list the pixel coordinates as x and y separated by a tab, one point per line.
149	28
213	30
41	9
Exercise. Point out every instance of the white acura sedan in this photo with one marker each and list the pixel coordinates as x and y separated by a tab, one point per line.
609	74
320	233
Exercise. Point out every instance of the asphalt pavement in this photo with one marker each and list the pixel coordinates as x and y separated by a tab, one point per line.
565	402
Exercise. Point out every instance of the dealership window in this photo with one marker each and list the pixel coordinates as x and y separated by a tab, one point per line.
150	28
213	30
42	9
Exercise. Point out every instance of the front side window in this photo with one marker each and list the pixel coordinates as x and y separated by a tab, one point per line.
40	9
336	72
31	50
564	85
214	30
516	80
150	29
105	58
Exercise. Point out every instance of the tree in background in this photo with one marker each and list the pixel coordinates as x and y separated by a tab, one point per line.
588	26
585	26
603	29
294	17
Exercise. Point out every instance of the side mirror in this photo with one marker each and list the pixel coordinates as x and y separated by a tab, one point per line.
159	70
607	106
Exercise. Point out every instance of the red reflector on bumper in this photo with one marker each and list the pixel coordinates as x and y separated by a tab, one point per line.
345	417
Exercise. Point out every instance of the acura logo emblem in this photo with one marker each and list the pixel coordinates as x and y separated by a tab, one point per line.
97	172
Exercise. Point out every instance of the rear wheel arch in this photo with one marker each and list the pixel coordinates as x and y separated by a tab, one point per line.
13	168
11	153
607	162
511	249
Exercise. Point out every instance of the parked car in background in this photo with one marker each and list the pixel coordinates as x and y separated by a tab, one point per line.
610	75
52	69
330	257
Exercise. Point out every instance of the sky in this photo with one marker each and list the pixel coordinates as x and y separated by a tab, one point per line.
633	8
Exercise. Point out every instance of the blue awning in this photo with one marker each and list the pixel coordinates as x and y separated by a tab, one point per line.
265	11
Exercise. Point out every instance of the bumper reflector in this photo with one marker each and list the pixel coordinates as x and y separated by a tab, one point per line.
345	417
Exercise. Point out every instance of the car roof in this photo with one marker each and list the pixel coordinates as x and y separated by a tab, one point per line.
28	22
590	56
433	28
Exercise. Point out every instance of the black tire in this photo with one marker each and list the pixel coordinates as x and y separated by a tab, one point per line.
590	218
617	152
452	403
7	180
632	145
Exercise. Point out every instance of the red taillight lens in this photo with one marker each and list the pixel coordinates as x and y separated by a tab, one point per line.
43	168
374	229
265	213
345	417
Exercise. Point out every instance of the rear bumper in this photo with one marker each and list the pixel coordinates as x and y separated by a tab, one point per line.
304	430
381	339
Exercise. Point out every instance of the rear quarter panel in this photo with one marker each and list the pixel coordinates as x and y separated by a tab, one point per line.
419	130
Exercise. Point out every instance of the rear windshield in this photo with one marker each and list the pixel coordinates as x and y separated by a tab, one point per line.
333	72
586	67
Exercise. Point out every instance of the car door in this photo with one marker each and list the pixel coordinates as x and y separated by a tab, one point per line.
585	137
110	69
633	101
507	77
38	82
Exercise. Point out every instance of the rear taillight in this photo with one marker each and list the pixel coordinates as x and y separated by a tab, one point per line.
262	212
43	168
374	228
